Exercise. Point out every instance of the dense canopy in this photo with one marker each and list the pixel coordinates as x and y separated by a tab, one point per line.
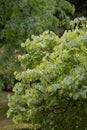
51	92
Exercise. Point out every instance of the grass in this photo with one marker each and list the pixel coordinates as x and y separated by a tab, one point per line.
7	124
16	127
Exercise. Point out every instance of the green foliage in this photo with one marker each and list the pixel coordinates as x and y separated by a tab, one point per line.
64	10
19	19
22	18
52	90
80	22
8	66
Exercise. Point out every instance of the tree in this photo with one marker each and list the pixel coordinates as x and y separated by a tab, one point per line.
22	18
52	90
19	19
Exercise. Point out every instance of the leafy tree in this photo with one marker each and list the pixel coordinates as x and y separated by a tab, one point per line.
22	18
52	89
19	19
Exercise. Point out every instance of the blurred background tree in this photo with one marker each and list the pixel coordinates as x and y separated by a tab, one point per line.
80	6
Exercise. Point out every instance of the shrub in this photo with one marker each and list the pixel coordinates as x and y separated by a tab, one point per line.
51	91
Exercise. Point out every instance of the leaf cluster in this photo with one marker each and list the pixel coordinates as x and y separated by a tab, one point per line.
52	89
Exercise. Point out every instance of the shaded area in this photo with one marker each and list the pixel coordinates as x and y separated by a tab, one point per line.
3	110
5	123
